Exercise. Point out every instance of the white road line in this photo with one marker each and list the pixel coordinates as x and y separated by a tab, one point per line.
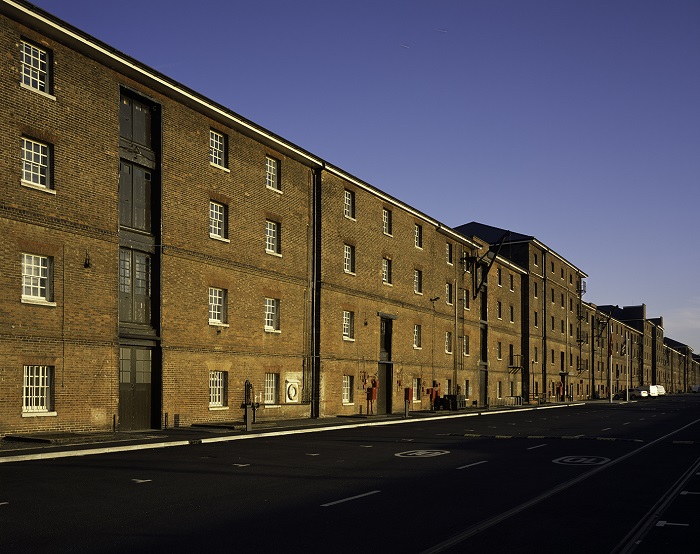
683	493
472	465
248	436
312	454
627	423
665	523
607	429
4	503
490	522
241	465
349	499
365	446
139	481
538	446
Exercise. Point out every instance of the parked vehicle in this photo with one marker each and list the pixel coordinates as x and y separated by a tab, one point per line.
695	388
660	390
622	394
634	394
651	390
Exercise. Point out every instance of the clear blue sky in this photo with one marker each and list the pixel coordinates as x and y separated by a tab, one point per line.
577	121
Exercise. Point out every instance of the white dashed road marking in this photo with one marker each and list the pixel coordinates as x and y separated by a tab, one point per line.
538	446
472	465
348	499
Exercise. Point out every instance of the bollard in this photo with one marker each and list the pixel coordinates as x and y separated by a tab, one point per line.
248	417
405	409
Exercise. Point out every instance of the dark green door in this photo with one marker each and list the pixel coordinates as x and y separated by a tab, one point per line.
134	387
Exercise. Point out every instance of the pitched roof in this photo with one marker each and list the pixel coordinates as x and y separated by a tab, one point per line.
490	233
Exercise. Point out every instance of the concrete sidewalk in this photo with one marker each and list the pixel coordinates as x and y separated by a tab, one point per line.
43	446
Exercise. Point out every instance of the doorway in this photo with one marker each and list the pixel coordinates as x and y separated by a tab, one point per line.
385	374
135	376
385	371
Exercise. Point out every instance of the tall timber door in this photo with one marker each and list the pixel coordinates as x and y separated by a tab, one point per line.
135	387
385	370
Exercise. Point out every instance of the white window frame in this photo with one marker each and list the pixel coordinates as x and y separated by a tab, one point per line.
35	68
218	227
349	204
417	336
272	238
386	271
272	315
217	149
499	309
449	253
272	389
448	342
37	277
499	350
387	226
218	381
418	236
272	174
36	165
349	259
465	299
348	325
416	384
38	391
217	306
348	394
449	294
417	281
465	345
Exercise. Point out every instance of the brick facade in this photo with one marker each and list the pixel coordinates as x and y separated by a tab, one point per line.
162	257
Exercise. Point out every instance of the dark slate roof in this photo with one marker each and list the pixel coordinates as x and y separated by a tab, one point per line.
675	344
489	233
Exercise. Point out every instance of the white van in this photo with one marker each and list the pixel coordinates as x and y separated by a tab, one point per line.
651	389
695	388
661	391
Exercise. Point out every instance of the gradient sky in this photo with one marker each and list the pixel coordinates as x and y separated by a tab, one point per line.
576	121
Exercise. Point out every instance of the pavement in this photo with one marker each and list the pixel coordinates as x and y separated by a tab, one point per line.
43	446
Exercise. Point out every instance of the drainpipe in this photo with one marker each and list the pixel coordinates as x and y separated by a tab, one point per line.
315	337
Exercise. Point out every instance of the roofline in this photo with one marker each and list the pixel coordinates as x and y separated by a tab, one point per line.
550	251
34	17
57	29
394	201
515	267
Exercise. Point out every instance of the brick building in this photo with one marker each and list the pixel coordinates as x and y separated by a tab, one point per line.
392	302
157	248
551	302
165	260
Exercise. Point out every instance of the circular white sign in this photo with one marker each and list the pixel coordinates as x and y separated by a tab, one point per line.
581	460
421	453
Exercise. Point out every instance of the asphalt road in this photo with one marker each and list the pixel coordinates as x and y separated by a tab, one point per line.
592	478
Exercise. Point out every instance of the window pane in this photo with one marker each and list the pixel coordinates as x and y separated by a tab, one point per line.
35	162
35	276
34	66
